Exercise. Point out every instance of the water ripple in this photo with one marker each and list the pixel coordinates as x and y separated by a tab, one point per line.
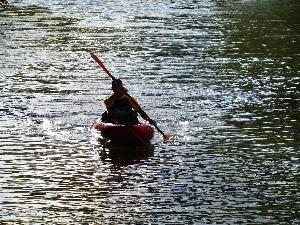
221	76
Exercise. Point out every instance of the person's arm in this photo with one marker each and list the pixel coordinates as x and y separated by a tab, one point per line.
110	101
133	103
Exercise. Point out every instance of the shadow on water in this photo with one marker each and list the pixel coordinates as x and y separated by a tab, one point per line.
124	155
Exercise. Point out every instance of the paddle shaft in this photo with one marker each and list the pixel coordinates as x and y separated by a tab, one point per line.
97	60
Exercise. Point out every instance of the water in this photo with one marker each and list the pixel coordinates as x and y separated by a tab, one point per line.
221	76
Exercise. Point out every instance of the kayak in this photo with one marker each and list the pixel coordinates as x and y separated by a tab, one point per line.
137	134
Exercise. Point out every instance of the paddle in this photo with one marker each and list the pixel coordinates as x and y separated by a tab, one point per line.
167	138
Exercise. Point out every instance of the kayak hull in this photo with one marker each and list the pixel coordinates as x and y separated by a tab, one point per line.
139	134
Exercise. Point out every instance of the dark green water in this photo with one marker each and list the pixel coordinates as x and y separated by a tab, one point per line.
222	76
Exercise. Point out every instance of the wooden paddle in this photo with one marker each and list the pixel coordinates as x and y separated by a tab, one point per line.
167	138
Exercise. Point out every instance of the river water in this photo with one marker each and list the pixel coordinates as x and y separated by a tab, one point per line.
221	76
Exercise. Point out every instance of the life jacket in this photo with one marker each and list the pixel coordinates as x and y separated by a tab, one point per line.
121	104
120	111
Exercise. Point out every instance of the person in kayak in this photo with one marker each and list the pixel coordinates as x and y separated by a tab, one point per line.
121	108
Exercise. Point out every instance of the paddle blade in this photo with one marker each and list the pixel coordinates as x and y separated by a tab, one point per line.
98	61
168	138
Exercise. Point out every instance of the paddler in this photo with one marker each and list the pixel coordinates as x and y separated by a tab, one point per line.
120	108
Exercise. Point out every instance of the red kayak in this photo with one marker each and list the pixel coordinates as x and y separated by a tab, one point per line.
139	134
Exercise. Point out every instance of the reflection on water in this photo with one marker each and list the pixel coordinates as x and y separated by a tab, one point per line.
221	76
124	155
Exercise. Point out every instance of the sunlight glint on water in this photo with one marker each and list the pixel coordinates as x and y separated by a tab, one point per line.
221	76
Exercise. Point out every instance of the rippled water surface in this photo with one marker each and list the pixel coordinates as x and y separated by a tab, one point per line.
221	76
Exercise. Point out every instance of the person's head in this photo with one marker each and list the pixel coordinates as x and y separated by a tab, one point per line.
117	85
